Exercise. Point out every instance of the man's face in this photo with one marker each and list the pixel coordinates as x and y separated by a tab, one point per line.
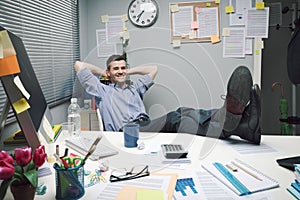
117	71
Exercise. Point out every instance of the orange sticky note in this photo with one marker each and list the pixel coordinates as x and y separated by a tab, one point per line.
215	39
21	105
260	5
229	9
9	65
194	25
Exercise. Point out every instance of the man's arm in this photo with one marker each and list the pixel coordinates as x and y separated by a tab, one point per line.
150	70
94	69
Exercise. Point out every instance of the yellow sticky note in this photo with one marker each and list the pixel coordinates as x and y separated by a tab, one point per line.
229	9
217	1
257	52
226	32
259	44
176	43
260	5
215	39
194	25
21	105
124	18
174	8
192	34
104	18
148	194
208	4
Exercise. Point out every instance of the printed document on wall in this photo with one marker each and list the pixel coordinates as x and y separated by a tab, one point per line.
238	17
234	43
208	22
113	27
104	49
181	20
257	23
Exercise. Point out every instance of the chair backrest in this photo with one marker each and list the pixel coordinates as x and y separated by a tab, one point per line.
101	127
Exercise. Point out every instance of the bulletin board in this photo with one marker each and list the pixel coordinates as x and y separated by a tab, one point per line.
200	10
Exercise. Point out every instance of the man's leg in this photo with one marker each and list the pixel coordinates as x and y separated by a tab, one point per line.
194	121
166	123
236	117
249	127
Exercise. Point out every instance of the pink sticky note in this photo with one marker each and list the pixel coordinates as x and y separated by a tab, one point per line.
198	10
194	25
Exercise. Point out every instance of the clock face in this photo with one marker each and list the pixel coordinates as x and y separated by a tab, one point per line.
143	13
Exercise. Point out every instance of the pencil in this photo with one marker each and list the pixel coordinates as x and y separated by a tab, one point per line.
245	170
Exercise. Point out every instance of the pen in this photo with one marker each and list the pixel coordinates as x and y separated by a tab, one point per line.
66	153
92	148
245	170
57	149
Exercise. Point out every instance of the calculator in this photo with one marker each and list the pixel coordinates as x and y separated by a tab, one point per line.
173	151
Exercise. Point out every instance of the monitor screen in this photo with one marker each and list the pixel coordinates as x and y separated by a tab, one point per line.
38	106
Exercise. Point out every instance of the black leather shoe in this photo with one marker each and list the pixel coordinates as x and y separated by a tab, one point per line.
249	127
238	94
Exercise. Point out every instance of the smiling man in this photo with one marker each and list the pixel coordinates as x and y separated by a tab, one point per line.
120	103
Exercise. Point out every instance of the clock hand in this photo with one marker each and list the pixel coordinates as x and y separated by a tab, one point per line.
139	16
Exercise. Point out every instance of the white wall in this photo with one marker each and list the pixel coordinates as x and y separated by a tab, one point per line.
194	75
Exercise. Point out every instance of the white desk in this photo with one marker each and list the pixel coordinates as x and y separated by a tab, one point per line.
211	150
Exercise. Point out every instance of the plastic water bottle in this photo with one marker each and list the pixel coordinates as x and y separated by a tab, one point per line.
74	115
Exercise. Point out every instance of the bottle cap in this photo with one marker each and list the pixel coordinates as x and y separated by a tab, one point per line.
74	100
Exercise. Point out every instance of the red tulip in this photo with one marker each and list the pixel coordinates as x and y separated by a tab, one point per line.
23	156
7	170
39	156
6	157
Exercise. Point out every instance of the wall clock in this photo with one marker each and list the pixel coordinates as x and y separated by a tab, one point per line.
143	13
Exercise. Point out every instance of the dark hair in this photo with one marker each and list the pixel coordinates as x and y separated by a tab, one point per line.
114	58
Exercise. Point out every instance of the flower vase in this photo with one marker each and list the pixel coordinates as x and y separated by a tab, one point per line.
23	191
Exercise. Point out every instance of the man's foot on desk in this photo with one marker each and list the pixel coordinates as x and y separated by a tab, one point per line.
238	95
249	127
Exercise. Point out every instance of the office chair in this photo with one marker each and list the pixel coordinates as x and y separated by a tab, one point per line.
101	127
293	65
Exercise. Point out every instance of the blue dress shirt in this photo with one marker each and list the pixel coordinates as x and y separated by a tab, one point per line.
117	106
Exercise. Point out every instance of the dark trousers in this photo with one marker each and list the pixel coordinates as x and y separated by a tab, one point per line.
188	120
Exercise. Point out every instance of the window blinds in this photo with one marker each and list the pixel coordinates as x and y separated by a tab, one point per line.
50	33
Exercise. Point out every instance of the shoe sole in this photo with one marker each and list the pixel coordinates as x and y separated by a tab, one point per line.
238	94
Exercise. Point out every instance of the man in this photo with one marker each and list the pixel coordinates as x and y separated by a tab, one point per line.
120	103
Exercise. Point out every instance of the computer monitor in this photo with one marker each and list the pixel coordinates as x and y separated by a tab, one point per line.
38	110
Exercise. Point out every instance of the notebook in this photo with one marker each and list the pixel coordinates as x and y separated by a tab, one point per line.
82	145
243	180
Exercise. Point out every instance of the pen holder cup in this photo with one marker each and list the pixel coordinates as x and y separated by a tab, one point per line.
69	182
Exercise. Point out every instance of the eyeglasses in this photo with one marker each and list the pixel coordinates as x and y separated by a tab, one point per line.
123	175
